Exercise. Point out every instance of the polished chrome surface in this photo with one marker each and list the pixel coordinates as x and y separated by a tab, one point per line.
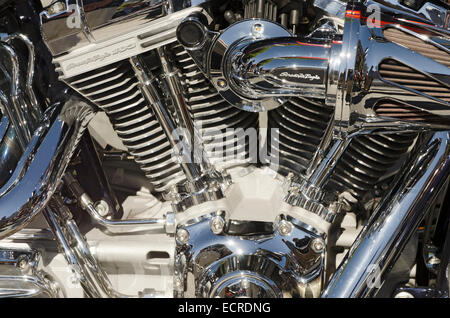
334	7
19	101
43	164
90	34
21	275
431	11
272	265
96	20
280	67
115	90
357	77
215	119
304	129
351	103
392	224
191	169
91	276
203	183
214	58
88	205
10	151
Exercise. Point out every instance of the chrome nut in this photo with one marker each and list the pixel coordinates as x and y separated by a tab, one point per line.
217	225
317	245
284	227
182	236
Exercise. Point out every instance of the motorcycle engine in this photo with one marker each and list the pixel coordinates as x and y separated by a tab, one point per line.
229	121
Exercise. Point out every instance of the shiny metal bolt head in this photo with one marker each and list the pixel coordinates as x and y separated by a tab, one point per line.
102	208
178	283
23	264
257	30
404	294
57	7
433	260
217	225
284	227
221	83
182	236
317	245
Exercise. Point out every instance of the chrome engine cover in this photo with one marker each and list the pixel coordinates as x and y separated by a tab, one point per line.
209	223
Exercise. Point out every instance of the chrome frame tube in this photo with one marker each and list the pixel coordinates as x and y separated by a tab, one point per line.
89	206
392	224
12	106
92	278
23	108
43	164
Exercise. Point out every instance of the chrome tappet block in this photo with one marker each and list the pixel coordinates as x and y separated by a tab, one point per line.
231	259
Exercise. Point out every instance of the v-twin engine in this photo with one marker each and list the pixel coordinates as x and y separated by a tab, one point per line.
248	149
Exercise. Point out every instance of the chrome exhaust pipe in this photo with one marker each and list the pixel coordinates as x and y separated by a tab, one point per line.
390	227
42	164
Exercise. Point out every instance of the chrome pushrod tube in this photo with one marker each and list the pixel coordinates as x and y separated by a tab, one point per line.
392	224
42	164
192	170
193	140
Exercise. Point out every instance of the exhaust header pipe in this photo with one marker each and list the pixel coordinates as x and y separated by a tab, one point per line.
43	164
390	227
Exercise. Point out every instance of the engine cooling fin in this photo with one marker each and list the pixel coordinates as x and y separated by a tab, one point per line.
218	122
402	111
301	128
115	90
401	74
260	9
366	160
418	45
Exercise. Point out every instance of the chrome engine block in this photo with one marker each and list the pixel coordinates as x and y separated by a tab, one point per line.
261	149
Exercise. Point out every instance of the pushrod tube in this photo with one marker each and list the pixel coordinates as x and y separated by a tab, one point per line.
192	170
392	224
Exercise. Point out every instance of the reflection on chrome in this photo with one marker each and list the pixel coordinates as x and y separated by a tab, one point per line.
247	149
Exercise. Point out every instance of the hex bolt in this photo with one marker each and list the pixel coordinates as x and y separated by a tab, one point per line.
214	186
257	30
102	208
217	225
221	83
182	236
22	263
284	227
317	245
